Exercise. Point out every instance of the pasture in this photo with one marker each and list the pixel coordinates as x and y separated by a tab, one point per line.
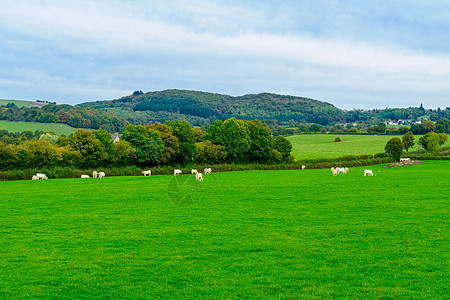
21	103
58	128
249	234
322	146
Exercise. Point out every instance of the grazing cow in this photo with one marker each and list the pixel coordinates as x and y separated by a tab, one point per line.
207	171
101	175
145	173
303	167
334	171
176	172
368	172
199	177
94	174
345	170
194	171
84	176
34	177
41	176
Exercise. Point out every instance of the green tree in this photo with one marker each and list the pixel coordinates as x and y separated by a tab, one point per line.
314	127
170	141
443	126
430	142
261	141
283	145
428	126
148	144
381	127
233	135
443	138
186	140
394	147
93	152
408	140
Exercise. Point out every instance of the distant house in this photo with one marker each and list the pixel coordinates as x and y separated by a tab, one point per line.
116	137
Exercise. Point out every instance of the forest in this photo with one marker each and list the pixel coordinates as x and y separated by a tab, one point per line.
201	108
75	116
171	143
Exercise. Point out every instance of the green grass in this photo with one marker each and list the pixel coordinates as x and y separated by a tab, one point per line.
57	128
322	145
21	103
251	234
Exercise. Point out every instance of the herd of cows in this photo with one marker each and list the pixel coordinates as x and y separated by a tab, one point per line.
199	176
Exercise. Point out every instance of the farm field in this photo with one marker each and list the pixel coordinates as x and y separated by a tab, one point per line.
21	103
249	234
57	128
322	145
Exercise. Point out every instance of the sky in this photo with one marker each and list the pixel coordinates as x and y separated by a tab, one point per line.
353	54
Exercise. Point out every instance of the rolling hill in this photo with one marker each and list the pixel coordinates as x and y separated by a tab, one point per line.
199	108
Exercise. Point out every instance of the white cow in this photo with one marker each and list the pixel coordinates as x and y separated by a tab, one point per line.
207	171
101	175
94	174
41	176
199	177
176	172
194	171
84	176
303	167
345	170
334	171
405	159
368	172
34	177
145	173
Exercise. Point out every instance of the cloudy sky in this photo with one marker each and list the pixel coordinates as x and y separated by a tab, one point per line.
353	54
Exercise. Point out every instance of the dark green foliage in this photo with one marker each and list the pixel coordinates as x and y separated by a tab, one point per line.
394	147
408	140
92	150
200	107
431	142
74	116
283	145
443	126
337	140
186	141
148	144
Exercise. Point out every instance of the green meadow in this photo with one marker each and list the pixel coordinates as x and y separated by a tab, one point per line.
323	145
57	128
251	234
21	103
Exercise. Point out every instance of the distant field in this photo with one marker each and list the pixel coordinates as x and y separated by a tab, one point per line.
57	128
21	103
322	145
295	234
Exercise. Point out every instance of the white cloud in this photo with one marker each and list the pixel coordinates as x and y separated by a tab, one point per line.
116	45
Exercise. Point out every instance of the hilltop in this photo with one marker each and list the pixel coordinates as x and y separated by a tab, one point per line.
199	108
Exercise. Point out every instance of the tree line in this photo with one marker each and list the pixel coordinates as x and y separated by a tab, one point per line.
172	143
74	116
431	142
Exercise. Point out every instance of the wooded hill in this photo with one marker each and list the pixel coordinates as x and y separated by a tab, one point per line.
74	116
200	108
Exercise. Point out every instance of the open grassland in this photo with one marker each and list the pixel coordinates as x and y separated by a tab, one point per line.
323	146
57	128
21	103
250	234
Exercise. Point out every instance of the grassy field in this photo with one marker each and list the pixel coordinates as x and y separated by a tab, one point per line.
322	145
57	128
21	103
250	234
